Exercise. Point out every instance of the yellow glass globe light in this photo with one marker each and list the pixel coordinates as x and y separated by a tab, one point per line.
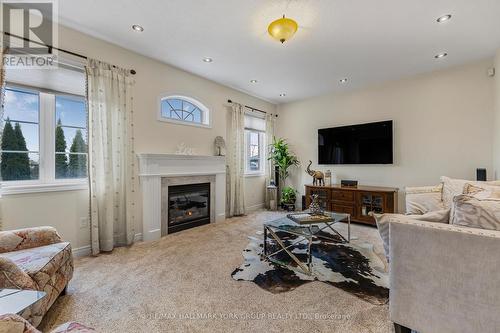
282	29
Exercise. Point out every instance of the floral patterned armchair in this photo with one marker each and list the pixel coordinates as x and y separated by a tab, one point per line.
37	259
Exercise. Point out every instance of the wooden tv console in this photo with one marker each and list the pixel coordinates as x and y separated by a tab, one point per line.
358	201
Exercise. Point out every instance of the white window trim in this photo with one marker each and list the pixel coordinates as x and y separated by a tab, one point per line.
206	116
263	155
38	187
46	136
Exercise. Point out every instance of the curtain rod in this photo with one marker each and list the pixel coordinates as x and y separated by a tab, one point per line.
253	109
50	47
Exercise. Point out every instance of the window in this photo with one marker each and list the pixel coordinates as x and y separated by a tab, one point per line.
70	140
44	137
255	157
20	150
184	110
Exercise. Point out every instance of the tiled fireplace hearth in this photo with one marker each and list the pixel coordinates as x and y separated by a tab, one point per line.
180	191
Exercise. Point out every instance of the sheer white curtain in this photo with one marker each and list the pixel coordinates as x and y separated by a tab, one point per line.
270	123
111	156
2	95
236	162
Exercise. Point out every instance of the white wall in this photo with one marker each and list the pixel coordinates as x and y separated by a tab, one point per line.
443	126
496	146
153	78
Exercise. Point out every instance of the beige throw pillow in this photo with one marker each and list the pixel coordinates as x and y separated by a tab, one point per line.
424	199
383	220
482	191
478	213
453	187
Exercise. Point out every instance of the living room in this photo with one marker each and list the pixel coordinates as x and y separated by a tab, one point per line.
268	78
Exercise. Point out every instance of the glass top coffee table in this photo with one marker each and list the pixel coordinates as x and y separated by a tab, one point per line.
304	231
17	300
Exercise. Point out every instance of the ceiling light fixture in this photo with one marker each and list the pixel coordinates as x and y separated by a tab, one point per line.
208	59
441	55
443	18
344	80
137	28
253	81
282	29
282	95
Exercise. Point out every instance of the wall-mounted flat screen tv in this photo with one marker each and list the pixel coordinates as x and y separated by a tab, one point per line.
356	144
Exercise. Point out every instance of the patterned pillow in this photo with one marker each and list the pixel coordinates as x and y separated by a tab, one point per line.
383	220
476	213
453	187
482	191
421	200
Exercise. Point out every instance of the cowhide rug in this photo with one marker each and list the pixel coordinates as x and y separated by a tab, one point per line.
353	267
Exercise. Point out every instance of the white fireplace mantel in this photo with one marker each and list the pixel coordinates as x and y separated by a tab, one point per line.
154	167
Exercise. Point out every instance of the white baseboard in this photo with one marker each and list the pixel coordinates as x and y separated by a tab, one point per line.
82	251
255	207
86	250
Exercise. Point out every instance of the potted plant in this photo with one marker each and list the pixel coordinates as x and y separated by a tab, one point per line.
288	197
283	159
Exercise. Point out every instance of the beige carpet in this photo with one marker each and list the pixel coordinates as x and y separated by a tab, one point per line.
182	283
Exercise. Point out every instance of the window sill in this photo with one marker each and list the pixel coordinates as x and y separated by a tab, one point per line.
187	123
10	189
257	174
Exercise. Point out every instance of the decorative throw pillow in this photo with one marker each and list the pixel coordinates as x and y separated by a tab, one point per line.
383	220
476	213
482	191
424	199
453	187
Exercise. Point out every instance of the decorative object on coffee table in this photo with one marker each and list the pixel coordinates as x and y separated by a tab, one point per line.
318	176
220	145
309	218
315	207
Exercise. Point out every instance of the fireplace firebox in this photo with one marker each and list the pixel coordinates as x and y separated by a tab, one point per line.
188	206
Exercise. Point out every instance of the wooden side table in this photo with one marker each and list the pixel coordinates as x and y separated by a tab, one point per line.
17	300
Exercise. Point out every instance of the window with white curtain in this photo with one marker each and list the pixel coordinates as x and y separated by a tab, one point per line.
255	150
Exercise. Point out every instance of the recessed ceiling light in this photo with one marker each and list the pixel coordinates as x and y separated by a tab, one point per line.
282	95
208	59
441	55
344	80
443	18
137	28
253	81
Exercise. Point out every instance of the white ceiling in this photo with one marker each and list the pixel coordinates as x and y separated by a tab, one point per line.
368	41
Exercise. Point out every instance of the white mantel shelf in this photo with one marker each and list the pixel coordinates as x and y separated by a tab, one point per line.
154	167
180	165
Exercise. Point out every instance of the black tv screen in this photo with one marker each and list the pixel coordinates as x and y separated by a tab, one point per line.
356	144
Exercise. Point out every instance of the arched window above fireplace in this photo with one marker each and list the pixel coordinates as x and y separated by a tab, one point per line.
184	110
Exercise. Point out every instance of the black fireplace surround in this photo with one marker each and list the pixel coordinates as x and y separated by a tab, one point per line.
188	206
